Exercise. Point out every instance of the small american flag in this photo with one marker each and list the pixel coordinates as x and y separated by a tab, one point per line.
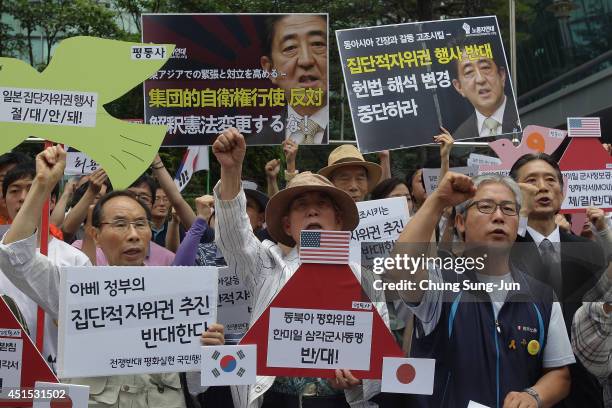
583	127
325	247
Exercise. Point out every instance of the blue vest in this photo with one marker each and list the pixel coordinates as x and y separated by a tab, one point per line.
478	357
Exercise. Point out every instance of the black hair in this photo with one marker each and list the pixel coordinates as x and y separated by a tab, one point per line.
269	29
150	182
96	217
384	188
462	41
410	178
27	171
9	158
526	158
20	172
80	191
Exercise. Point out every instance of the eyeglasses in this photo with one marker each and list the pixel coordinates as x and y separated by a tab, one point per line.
489	207
144	197
124	225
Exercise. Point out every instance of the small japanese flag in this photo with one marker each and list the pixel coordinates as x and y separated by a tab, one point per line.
62	395
228	365
408	375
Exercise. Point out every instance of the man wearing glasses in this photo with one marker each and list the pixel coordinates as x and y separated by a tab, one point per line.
155	255
122	230
511	339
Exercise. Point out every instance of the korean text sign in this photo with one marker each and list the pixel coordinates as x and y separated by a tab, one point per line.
155	314
404	81
239	70
380	224
316	338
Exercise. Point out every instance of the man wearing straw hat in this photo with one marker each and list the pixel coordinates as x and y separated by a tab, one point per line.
310	201
351	173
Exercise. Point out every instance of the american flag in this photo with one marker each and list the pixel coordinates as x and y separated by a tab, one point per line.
583	127
325	247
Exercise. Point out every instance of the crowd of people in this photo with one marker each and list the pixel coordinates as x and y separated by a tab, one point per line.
536	345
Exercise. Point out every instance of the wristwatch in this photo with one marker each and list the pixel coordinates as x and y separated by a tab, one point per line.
535	396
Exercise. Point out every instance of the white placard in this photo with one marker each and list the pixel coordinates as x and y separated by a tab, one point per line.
501	172
588	188
79	394
79	164
48	107
229	365
380	221
149	52
475	159
430	176
234	307
11	352
138	320
316	338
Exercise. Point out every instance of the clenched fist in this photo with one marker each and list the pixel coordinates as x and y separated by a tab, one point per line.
229	149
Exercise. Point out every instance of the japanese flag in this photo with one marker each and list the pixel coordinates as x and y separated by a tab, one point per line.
228	365
408	375
195	159
68	395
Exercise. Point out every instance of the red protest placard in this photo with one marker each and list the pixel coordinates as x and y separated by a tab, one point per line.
340	310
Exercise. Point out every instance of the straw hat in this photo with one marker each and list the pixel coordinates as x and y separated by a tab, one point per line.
349	155
278	206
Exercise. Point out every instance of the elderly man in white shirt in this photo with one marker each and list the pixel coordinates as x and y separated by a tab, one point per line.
310	201
122	230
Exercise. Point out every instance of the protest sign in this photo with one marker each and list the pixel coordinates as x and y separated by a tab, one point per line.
219	77
475	159
334	298
234	308
431	176
380	223
158	313
316	338
404	81
536	139
65	103
21	365
587	170
11	352
79	164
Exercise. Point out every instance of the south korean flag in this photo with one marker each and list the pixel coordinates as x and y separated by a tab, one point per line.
229	365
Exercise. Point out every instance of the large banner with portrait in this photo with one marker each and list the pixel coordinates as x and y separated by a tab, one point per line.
265	74
404	81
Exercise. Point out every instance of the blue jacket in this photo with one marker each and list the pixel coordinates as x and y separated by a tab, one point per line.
478	357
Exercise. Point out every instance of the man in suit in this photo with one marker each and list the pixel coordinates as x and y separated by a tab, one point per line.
570	264
482	83
295	46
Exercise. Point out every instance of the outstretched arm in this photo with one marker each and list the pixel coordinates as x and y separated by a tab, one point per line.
166	182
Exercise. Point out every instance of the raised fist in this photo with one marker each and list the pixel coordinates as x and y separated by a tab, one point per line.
272	168
205	206
454	189
50	164
229	149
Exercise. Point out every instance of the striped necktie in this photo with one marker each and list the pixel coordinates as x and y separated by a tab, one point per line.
307	134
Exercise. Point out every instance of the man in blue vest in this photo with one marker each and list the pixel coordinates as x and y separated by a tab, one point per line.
496	335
